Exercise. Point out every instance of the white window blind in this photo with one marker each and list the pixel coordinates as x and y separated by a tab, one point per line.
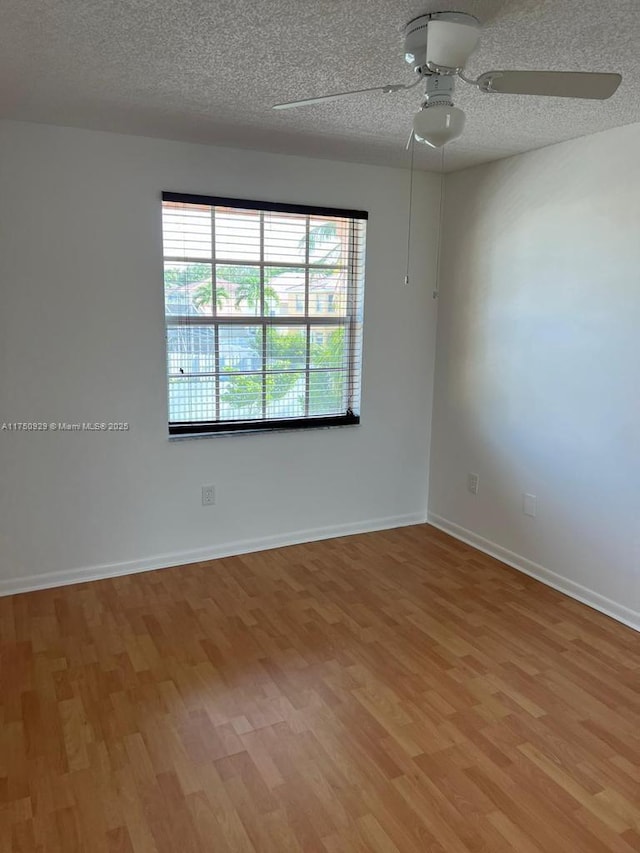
263	307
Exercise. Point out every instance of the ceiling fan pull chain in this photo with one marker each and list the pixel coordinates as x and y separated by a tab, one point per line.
406	278
436	292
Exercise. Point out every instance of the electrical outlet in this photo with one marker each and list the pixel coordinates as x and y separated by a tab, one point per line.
529	505
208	495
473	483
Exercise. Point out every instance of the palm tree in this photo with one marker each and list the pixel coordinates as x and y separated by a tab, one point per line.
249	291
324	238
202	295
247	285
178	282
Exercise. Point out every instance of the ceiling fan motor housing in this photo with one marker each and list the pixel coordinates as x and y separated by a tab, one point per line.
450	46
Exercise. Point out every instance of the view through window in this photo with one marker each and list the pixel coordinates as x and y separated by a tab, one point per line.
263	306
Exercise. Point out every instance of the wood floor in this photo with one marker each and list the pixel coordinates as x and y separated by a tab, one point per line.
394	691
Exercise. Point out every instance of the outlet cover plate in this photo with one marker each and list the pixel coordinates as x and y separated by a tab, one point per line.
208	495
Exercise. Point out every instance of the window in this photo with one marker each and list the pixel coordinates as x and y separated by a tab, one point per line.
263	308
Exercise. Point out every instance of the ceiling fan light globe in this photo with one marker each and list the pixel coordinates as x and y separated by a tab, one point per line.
438	124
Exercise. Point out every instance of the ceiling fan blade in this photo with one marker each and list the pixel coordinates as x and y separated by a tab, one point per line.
305	102
558	84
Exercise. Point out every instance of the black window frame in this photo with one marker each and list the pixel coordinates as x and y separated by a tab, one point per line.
351	321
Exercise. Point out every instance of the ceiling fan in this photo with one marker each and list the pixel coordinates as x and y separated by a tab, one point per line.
437	46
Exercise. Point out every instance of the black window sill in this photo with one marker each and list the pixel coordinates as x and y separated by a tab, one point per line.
211	430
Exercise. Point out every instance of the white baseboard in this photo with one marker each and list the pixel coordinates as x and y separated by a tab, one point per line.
11	586
568	587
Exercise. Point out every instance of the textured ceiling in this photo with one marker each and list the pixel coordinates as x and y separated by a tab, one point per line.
208	71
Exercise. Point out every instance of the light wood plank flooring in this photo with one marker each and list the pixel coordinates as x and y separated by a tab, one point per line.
393	691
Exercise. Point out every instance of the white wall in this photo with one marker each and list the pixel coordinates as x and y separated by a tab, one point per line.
538	365
81	339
